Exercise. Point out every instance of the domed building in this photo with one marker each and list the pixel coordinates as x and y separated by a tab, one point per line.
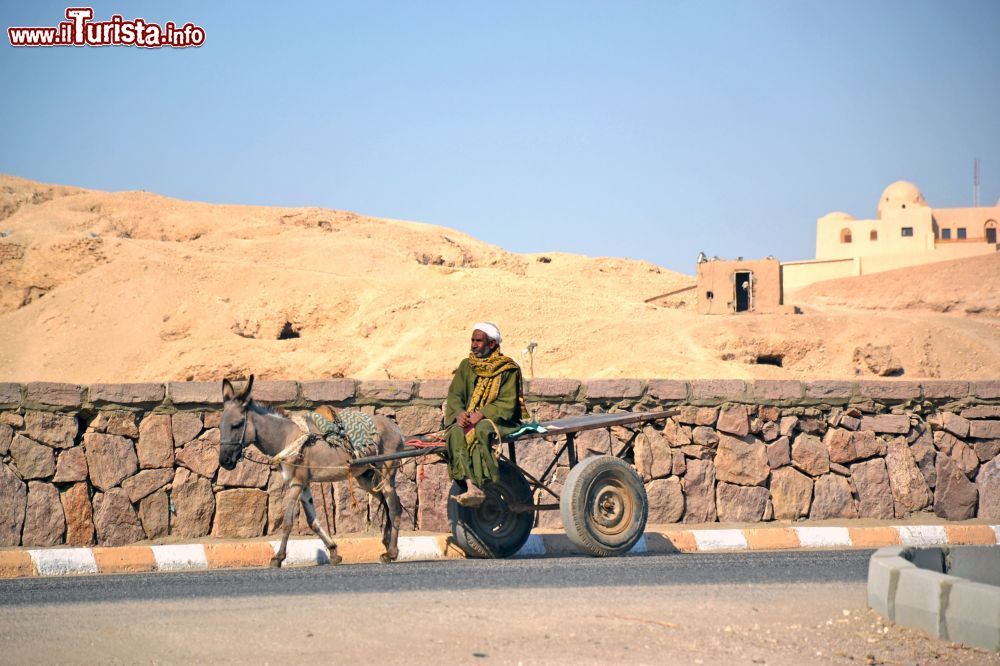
906	231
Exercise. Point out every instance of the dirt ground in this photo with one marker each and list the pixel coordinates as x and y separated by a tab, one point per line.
132	286
732	624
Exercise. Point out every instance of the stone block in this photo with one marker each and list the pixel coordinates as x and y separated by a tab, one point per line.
13	501
871	481
10	394
191	393
898	424
883	579
779	453
275	391
705	436
889	391
667	389
791	494
810	455
734	420
743	462
79	515
829	391
71	465
980	564
987	389
329	390
777	389
194	505
988	429
52	393
247	474
185	427
146	482
433	389
31	459
699	492
115	521
720	390
201	456
920	596
553	388
973	615
938	390
910	491
666	501
613	389
127	394
988	487
433	486
44	520
116	422
154	514
740	504
981	412
387	389
6	436
110	459
954	424
240	513
155	447
419	420
52	429
832	498
987	449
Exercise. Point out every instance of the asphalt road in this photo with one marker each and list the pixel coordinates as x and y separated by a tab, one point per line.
773	608
523	573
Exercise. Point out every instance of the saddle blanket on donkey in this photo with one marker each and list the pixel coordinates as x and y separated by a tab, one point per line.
349	429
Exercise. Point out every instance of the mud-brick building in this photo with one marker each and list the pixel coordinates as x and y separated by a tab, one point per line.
729	287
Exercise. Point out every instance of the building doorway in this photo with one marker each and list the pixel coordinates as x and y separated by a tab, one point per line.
744	290
991	232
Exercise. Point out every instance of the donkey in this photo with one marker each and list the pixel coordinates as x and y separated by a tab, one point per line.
245	422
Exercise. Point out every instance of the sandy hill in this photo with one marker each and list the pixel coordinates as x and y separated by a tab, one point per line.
132	286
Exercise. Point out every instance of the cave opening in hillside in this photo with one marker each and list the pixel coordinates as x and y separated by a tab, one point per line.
288	331
770	359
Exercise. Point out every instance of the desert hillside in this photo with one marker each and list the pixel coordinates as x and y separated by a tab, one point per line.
132	286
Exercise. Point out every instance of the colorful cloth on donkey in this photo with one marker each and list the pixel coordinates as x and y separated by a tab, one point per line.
349	429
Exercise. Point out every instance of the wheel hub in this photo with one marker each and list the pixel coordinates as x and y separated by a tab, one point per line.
611	508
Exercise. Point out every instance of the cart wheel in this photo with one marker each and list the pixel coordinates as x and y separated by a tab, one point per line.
492	529
603	506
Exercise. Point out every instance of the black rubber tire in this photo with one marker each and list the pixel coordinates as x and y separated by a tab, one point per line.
491	530
604	506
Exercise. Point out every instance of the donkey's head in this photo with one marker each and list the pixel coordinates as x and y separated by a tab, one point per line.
236	428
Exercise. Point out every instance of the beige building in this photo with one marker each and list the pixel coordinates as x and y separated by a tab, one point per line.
906	231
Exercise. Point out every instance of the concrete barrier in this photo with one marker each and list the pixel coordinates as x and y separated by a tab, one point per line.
947	592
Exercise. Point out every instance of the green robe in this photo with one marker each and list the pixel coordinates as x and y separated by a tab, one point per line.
479	464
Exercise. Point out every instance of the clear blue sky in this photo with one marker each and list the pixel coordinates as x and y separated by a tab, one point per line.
649	130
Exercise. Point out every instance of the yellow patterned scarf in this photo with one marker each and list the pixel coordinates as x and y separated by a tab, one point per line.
487	388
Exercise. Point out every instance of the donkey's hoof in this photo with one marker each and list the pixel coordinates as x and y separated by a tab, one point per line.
386	558
335	559
276	562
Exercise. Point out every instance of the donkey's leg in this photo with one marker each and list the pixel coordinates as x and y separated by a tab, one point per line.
288	521
393	516
317	527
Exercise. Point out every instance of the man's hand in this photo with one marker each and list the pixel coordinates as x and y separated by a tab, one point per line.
468	419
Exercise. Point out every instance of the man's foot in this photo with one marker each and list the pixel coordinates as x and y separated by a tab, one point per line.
472	497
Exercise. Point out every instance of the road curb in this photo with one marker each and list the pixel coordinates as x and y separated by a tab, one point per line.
61	561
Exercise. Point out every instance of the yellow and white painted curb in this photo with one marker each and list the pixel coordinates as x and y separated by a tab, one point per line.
26	562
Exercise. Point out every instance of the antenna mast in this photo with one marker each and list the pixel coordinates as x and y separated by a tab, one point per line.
975	183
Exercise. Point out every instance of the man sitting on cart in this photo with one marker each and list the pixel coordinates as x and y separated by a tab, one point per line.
484	402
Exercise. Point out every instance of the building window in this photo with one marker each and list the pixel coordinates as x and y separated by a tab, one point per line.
873	235
906	231
961	233
845	235
946	234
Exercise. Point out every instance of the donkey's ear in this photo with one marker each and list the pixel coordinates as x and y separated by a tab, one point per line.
245	396
228	392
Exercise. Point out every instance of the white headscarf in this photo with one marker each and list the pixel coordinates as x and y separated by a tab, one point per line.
491	330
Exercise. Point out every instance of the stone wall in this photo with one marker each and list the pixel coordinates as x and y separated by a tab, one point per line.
118	463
